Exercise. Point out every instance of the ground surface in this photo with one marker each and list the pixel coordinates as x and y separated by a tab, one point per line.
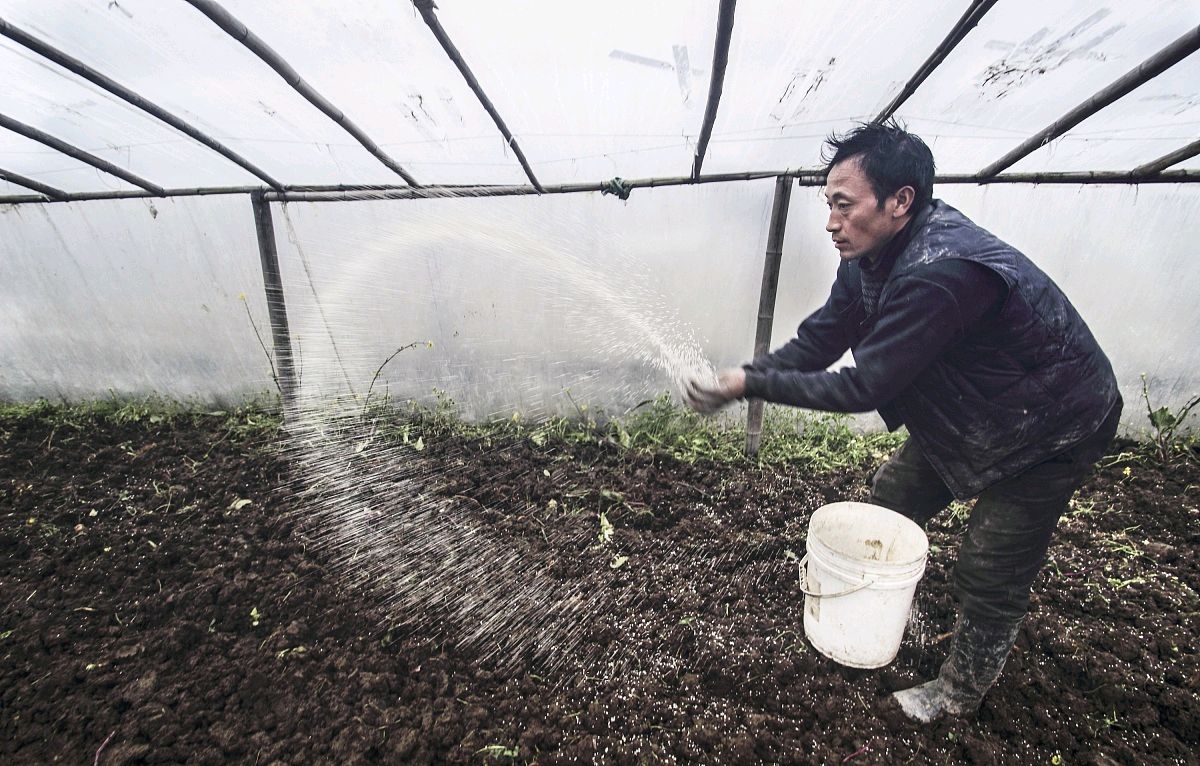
148	614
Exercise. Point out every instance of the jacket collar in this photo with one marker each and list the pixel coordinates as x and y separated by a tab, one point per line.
882	265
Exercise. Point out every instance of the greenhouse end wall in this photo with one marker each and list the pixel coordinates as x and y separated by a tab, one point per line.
533	305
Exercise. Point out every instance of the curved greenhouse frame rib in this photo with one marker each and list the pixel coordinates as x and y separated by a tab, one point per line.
72	64
1153	171
1140	75
238	31
970	19
716	83
29	183
1167	160
427	8
99	163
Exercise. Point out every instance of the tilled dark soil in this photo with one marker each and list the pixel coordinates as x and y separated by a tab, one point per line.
149	614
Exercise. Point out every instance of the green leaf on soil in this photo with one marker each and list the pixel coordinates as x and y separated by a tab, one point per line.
618	562
239	504
499	751
606	530
612	495
293	650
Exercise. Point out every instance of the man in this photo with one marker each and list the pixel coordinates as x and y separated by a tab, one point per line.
1006	395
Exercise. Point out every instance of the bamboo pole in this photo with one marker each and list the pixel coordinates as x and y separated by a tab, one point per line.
72	64
349	192
37	186
426	8
1139	75
268	253
766	302
716	83
1167	160
58	144
238	31
965	24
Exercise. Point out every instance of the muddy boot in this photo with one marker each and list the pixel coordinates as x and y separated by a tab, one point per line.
977	653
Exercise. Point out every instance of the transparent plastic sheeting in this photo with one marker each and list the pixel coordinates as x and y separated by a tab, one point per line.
591	90
530	304
1027	64
521	304
533	305
132	298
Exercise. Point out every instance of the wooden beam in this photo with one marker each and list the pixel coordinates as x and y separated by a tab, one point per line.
59	145
716	83
1139	75
20	180
964	25
426	8
766	302
1167	160
44	49
238	31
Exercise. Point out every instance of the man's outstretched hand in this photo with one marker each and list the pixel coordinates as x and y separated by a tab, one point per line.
709	396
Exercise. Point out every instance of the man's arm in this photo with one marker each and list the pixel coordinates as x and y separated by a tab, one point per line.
929	312
821	339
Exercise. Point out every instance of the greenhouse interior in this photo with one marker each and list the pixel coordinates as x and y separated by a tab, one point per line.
400	381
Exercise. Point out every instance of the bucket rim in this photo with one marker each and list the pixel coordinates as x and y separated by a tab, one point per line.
891	575
830	509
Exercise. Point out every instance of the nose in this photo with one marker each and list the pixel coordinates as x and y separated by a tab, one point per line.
832	225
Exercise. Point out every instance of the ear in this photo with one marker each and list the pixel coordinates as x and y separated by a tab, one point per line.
905	196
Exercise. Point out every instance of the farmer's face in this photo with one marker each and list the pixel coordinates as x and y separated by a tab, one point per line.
859	224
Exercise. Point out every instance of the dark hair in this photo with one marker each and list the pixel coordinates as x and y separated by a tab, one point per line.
890	156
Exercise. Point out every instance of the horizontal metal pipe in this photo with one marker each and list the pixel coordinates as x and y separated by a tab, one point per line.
62	146
29	183
1142	73
238	31
72	64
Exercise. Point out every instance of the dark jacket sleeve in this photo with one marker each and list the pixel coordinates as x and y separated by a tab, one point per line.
820	340
925	313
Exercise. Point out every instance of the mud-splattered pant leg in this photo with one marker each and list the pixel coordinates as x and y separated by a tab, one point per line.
908	485
1011	525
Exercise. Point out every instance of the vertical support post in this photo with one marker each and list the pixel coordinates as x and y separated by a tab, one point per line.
766	301
281	338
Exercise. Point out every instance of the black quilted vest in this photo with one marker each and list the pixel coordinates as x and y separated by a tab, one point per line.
1019	388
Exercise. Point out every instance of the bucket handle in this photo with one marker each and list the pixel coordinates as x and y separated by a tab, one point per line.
802	571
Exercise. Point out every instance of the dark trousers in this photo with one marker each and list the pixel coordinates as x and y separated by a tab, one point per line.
1010	526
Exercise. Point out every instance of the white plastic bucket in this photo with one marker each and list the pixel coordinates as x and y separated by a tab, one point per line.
858	577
